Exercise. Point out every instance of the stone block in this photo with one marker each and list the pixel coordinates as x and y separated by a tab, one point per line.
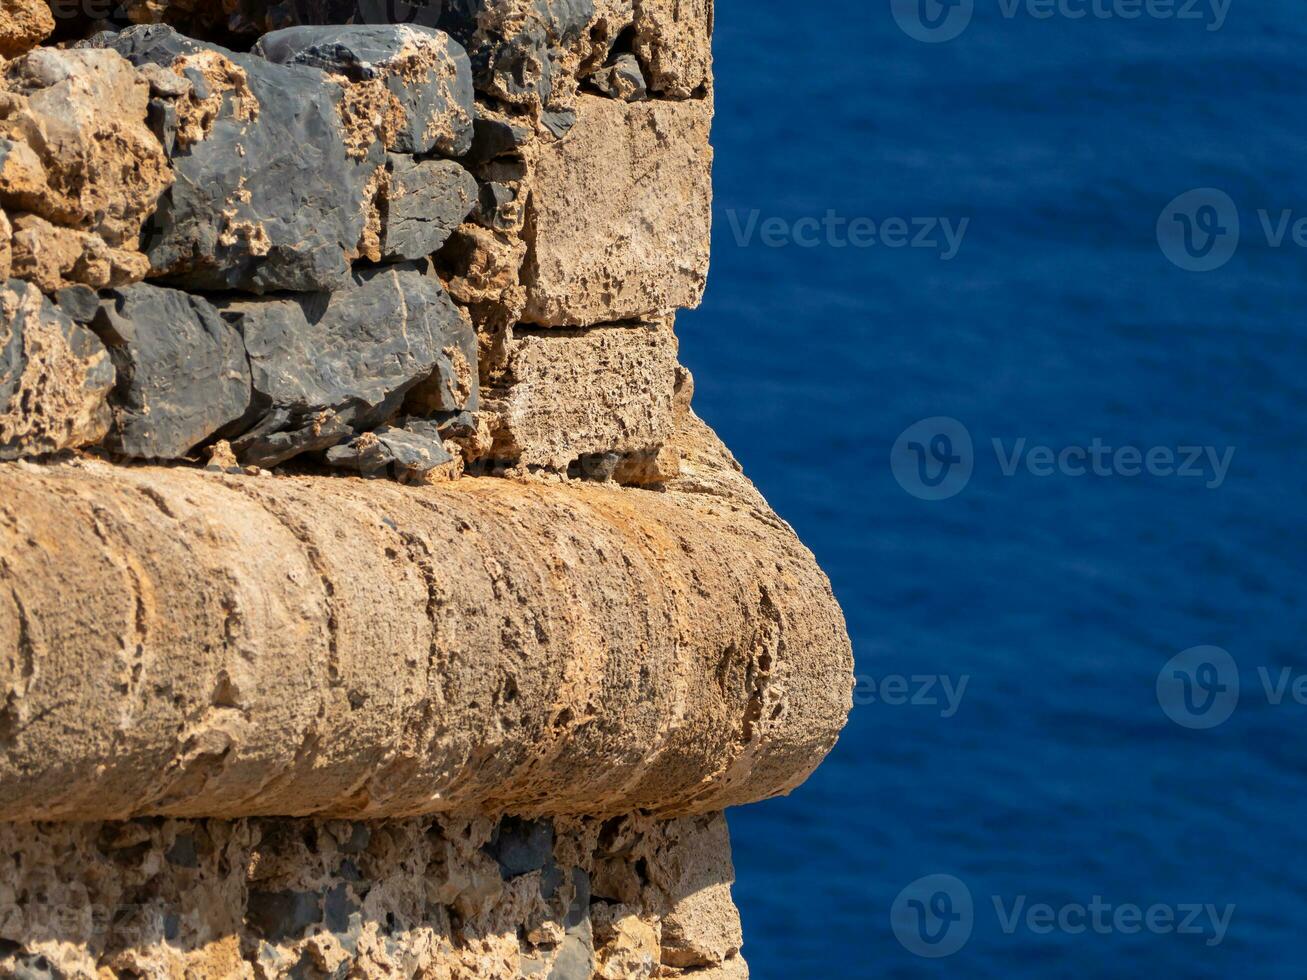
582	398
55	377
23	25
182	371
273	181
620	214
326	366
416	80
425	201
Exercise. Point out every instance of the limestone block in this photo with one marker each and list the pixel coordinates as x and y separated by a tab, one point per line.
6	248
673	39
288	898
23	25
620	214
54	379
80	171
53	257
569	394
211	644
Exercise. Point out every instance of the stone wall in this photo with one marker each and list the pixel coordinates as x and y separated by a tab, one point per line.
372	602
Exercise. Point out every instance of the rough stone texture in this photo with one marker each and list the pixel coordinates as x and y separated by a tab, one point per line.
568	394
408	450
326	366
534	693
54	379
272	185
525	53
6	248
425	201
674	39
54	258
76	153
182	371
23	25
620	214
428	898
622	79
225	646
415	79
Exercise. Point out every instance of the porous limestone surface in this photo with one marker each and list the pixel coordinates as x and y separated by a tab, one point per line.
23	24
448	898
620	215
569	395
208	644
262	715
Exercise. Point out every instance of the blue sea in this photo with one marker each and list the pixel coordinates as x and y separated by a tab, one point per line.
1057	590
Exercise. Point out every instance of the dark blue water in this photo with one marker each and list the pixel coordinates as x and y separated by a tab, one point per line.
1059	778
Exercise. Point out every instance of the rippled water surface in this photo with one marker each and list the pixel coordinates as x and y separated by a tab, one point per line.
1059	598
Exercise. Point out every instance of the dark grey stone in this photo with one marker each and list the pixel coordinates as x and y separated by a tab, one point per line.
622	78
182	853
579	910
456	425
425	202
386	51
407	450
575	959
493	137
559	122
182	372
281	915
599	467
493	197
521	846
513	57
79	303
266	203
337	907
326	366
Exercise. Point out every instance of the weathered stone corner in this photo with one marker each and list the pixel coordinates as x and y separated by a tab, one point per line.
372	601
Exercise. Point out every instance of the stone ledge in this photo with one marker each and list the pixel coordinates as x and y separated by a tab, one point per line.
181	643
